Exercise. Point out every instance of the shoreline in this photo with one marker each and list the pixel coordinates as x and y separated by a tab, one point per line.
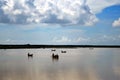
56	46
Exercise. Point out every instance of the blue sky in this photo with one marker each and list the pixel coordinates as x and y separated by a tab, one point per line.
60	22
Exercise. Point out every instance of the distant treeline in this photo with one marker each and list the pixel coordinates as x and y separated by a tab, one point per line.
56	46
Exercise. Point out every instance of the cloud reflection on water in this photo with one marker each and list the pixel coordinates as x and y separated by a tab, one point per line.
76	64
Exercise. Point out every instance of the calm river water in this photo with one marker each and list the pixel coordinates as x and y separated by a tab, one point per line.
75	64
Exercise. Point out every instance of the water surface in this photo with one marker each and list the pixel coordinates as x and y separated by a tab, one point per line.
76	64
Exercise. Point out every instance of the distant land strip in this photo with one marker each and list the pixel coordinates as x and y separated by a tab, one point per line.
27	46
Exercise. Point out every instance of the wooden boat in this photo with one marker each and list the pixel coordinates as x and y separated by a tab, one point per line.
55	56
63	51
53	50
30	55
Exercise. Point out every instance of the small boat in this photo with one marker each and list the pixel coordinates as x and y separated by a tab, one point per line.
30	55
53	50
63	51
55	56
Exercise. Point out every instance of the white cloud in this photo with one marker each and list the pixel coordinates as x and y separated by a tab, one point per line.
63	39
101	39
63	12
10	41
116	23
98	5
82	39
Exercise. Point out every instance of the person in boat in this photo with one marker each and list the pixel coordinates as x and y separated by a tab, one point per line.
30	55
63	51
55	56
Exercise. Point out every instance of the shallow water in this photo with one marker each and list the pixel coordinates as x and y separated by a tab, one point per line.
76	64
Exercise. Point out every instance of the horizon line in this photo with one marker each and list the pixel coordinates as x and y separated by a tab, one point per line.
20	46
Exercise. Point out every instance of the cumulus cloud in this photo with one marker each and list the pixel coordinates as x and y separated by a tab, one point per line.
99	5
63	12
116	23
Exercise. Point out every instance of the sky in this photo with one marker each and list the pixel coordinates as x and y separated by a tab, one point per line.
63	22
